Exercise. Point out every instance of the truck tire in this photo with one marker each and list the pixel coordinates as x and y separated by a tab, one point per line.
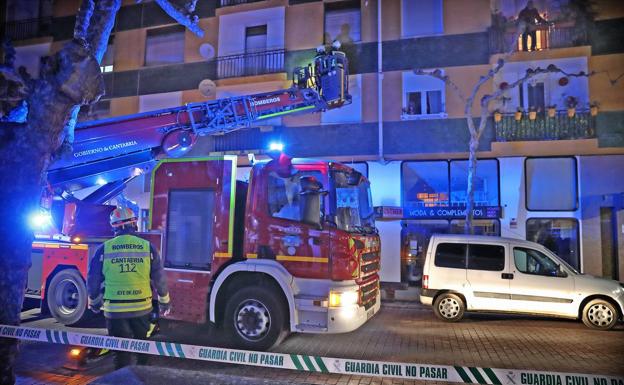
67	297
255	318
600	314
449	307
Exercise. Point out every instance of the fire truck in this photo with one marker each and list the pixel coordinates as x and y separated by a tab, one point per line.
294	249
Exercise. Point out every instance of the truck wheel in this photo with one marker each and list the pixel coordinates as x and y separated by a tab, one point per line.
449	307
255	318
600	314
67	297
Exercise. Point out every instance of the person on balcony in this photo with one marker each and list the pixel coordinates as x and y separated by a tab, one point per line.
532	20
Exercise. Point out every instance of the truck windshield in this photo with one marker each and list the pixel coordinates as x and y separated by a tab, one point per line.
351	202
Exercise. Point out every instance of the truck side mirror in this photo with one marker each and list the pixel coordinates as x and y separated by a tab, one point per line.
311	192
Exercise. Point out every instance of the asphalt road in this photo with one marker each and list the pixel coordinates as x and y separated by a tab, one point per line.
408	332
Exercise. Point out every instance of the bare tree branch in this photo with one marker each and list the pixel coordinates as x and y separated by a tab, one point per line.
83	19
183	15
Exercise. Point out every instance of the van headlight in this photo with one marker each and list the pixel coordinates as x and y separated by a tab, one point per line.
343	298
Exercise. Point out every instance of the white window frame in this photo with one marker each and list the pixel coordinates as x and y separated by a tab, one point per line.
407	76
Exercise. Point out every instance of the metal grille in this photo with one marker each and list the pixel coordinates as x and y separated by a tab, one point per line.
250	64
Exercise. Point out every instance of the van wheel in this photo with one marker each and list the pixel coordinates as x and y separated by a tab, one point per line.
449	307
255	318
67	297
600	314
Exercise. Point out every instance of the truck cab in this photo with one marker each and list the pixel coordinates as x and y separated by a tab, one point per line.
293	250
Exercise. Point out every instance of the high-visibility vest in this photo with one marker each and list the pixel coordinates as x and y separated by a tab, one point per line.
126	267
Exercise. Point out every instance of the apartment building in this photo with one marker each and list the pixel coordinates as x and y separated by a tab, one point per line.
549	172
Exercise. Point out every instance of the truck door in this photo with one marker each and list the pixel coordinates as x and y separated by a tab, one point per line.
302	247
192	206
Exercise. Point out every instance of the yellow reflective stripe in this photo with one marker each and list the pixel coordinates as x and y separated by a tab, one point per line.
127	307
60	245
294	258
223	255
252	256
164	299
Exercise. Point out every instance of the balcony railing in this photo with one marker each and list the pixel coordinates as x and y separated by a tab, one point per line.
559	127
557	36
29	28
226	3
250	64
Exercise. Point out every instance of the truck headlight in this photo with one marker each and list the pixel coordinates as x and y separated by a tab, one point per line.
343	298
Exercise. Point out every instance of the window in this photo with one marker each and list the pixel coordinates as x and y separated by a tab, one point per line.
428	183
423	96
342	22
284	194
189	229
425	184
559	235
535	95
451	255
164	46
108	61
551	184
485	183
486	257
530	261
421	17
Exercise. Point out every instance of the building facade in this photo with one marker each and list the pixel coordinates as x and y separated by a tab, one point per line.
550	169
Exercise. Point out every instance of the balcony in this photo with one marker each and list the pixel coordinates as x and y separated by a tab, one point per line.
227	3
250	64
561	35
543	127
28	28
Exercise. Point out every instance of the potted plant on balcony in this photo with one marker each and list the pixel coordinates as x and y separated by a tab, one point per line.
498	116
532	113
552	110
593	109
518	114
571	103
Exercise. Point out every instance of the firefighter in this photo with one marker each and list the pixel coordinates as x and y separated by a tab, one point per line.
120	279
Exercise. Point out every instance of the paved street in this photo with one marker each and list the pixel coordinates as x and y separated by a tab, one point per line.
409	332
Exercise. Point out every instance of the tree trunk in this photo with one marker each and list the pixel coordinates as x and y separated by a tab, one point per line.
472	172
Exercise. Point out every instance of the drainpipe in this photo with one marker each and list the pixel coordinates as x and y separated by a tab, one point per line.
379	86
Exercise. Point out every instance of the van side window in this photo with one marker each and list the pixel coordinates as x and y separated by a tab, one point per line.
486	257
530	261
451	255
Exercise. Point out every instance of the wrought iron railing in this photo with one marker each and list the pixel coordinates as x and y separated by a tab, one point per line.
29	28
559	127
226	3
250	64
557	36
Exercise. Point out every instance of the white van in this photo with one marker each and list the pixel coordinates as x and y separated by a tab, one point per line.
493	274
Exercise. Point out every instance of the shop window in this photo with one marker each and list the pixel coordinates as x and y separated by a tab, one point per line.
190	220
343	22
164	46
423	97
284	194
559	235
486	257
530	261
425	184
485	183
421	17
451	255
551	184
479	226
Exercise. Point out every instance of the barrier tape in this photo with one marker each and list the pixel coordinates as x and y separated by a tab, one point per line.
305	363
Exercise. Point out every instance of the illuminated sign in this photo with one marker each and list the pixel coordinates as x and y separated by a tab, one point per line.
445	212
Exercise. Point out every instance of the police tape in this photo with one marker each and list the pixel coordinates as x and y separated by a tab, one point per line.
306	363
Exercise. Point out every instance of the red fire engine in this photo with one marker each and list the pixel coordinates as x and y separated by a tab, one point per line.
293	250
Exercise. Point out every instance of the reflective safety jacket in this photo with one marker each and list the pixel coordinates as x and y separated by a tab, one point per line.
126	266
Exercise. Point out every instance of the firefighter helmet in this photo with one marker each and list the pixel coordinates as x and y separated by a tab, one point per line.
121	216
